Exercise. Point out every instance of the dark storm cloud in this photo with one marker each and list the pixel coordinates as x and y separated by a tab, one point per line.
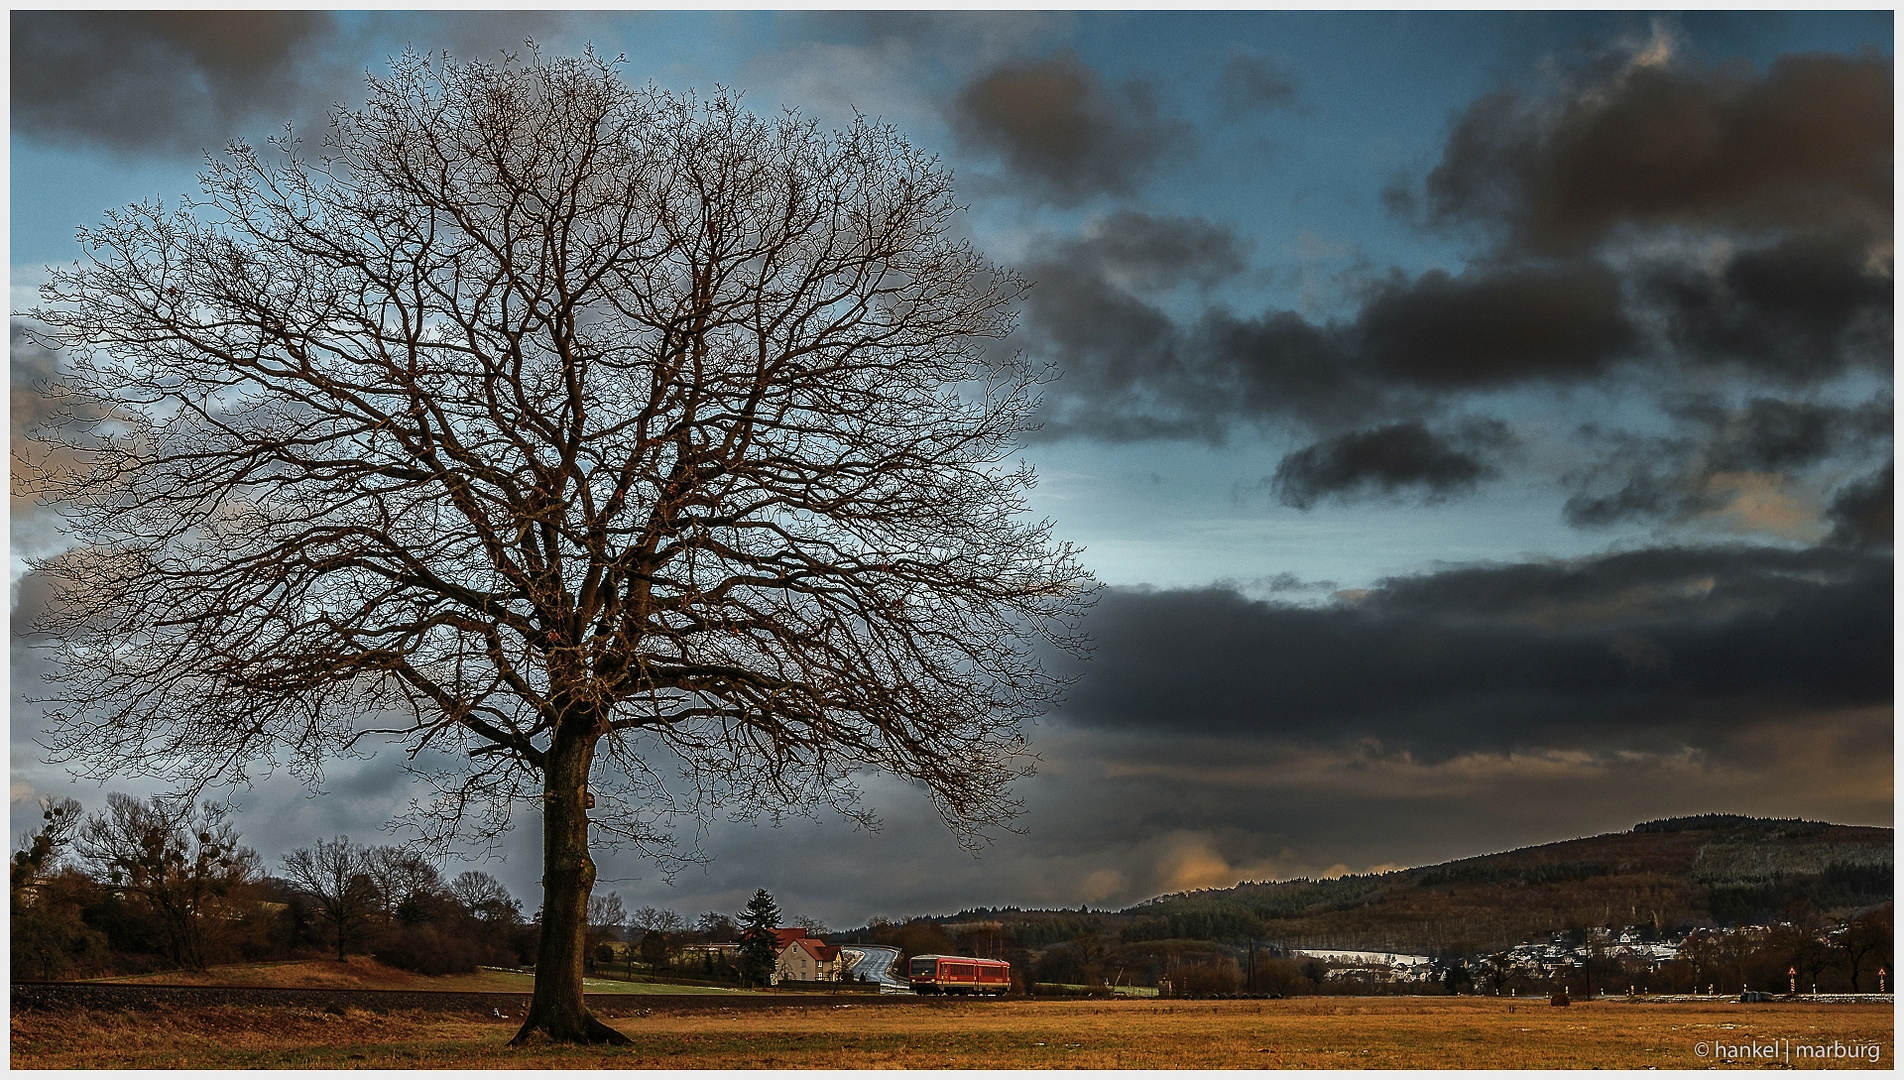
31	595
1251	83
28	663
1787	174
1061	133
1641	478
1803	309
1389	461
481	35
33	372
35	402
1147	253
1646	650
1643	494
32	367
1756	213
1279	364
178	81
1094	307
1495	325
1771	434
1805	145
1862	513
189	81
1131	371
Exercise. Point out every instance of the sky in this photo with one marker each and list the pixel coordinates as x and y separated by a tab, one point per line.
1481	423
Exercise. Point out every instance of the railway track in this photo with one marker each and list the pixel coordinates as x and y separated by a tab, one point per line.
120	997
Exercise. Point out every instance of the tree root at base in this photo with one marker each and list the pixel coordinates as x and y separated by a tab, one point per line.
593	1032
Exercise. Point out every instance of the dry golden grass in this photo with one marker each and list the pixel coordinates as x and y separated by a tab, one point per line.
356	973
1302	1033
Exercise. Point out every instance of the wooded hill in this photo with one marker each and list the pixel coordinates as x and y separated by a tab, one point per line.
1673	874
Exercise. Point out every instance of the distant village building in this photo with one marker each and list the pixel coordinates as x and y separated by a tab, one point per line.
1360	965
1559	955
797	957
805	959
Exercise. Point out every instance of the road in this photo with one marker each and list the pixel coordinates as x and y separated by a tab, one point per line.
874	963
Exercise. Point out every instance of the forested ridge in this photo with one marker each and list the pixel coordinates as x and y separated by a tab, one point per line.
1663	879
1667	875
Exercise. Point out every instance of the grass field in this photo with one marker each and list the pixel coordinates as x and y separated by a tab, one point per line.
363	973
1298	1033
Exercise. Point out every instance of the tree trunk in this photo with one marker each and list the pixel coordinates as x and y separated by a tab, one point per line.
568	874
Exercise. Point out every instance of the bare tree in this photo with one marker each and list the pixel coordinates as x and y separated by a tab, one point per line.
1868	935
607	919
332	873
398	876
47	933
183	862
717	926
661	929
485	898
579	436
40	849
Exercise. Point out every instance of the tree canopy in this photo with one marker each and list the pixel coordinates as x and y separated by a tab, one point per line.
588	439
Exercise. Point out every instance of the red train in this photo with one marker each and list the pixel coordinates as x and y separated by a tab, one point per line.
959	975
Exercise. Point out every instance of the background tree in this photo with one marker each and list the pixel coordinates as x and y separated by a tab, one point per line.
52	936
916	937
606	920
46	900
1456	978
574	434
432	933
485	898
398	877
660	935
474	890
1866	945
1500	969
717	927
40	849
759	945
181	862
332	874
494	919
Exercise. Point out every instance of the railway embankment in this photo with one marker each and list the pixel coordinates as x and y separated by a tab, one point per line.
132	997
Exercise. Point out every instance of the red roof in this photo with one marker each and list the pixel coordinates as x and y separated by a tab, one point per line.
786	935
819	950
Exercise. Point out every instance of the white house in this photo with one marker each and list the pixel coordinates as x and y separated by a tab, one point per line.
805	959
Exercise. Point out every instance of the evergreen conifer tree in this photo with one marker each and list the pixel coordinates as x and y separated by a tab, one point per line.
758	944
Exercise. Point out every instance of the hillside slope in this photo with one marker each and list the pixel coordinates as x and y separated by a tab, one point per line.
1668	874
